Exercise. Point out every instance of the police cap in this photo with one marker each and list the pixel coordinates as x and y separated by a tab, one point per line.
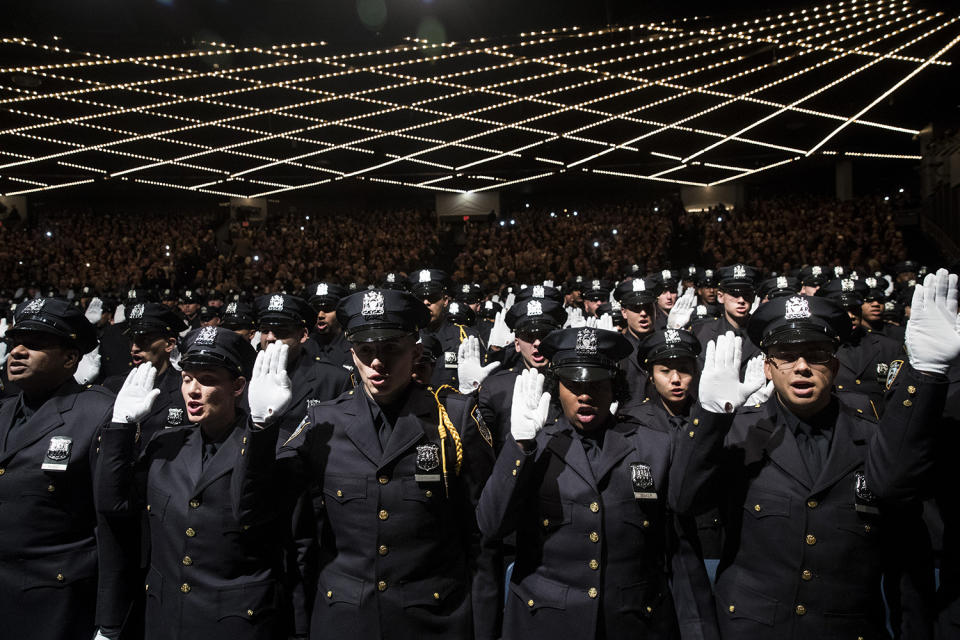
152	317
381	314
489	309
778	286
284	309
217	347
460	313
238	315
585	354
394	280
598	289
325	293
738	277
543	314
666	345
814	276
428	283
637	292
468	293
539	292
795	319
845	291
56	316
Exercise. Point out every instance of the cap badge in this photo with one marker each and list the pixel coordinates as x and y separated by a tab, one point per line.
665	274
691	271
615	306
889	306
781	282
34	306
132	293
586	342
425	275
838	271
739	271
817	271
635	268
231	308
136	312
207	337
465	289
639	284
538	291
595	285
846	285
579	279
391	277
534	308
372	305
276	303
797	309
701	310
671	336
871	282
488	305
708	273
454	308
322	289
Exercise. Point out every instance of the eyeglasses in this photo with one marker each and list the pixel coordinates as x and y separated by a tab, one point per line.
532	335
787	360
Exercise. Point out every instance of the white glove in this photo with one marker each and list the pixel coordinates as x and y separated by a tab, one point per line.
761	395
575	318
469	370
119	314
3	327
528	412
679	316
255	341
270	387
756	303
89	367
3	353
500	334
680	288
889	288
931	342
136	395
509	301
613	407
175	359
720	390
605	322
753	377
548	283
100	636
94	311
495	298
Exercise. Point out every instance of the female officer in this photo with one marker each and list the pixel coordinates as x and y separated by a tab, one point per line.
586	498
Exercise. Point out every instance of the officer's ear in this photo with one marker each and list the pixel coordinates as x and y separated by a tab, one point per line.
304	336
417	352
171	344
71	358
239	384
767	367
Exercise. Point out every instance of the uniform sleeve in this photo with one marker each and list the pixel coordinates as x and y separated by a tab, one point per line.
500	504
698	461
119	478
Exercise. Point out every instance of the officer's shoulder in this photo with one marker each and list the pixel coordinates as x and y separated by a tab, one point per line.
328	367
95	392
858	405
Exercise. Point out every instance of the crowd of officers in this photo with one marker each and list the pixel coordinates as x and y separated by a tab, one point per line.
687	454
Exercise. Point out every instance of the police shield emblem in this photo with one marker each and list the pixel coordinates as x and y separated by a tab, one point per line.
482	426
322	289
428	463
534	308
449	359
586	341
207	336
892	372
739	271
276	303
57	457
642	479
797	308
865	500
882	370
174	416
373	305
638	284
34	306
538	291
136	312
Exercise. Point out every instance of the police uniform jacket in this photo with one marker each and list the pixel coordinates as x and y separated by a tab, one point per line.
208	576
710	328
637	376
312	382
591	557
335	351
495	398
803	557
115	351
864	362
395	551
168	410
48	558
450	336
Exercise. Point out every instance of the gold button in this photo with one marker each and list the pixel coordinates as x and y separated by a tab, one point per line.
811	539
839	386
801	610
51	488
329	594
594	537
339	493
691	434
243	440
59	577
859	410
190	532
856	381
195	504
757	508
807	574
249	613
529	603
381	586
907	403
731	609
187	561
866	528
514	472
911	389
383	515
383	479
185	588
146	587
242	451
518	463
646	524
649	609
436	596
148	507
594	565
812	504
696	421
428	493
594	507
2	471
592	592
383	550
546	522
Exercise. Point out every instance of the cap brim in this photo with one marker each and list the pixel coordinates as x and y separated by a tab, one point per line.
39	327
377	334
798	336
278	319
582	373
673	353
201	361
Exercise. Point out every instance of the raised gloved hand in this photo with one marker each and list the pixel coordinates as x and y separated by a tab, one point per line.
89	367
889	289
270	387
605	322
931	341
761	395
255	341
575	319
528	412
753	377
548	283
94	311
679	316
136	396
591	322
470	371
720	390
119	314
509	301
3	327
500	334
756	303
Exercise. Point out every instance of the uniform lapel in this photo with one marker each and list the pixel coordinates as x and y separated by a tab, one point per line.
360	429
847	451
47	418
191	459
570	451
6	419
169	393
222	462
419	411
616	447
781	446
302	380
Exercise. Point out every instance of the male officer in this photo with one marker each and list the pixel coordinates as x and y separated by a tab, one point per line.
812	277
285	318
189	303
430	286
637	298
737	293
48	444
595	293
240	318
115	341
530	321
807	542
874	302
667	281
707	291
778	286
400	485
327	343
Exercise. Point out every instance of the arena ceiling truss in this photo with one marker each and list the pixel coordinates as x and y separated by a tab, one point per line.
690	102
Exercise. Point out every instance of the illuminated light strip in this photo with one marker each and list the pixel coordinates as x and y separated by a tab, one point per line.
757	170
821	89
518	181
883	95
413	184
863	154
49	187
434	181
666	171
82	166
665	155
157	183
623	174
35	183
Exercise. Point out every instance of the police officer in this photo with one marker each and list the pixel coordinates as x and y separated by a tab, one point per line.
807	542
667	281
286	318
115	340
430	286
871	314
531	321
737	294
189	304
707	292
586	497
638	299
326	336
208	576
595	293
240	318
400	492
812	277
778	286
487	314
48	445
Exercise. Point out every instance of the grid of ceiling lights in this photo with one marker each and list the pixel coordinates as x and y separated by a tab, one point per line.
568	82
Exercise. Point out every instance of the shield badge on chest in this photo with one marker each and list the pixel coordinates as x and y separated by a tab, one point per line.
428	463
865	500
57	457
174	416
642	479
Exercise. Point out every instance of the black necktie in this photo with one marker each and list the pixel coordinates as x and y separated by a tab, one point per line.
676	421
811	452
209	450
384	429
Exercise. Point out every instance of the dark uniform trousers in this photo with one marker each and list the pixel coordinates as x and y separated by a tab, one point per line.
396	552
917	458
592	557
48	554
864	361
209	577
803	557
450	336
710	328
495	398
335	351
